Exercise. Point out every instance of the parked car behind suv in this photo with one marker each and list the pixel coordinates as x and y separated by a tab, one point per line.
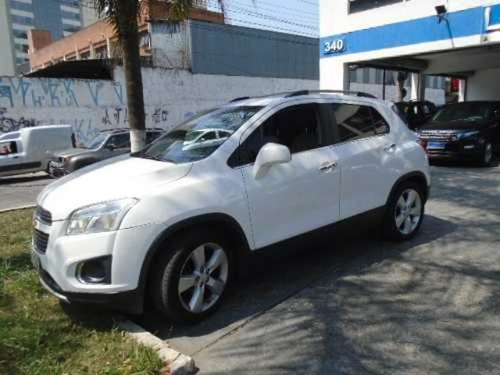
106	144
463	131
417	113
172	221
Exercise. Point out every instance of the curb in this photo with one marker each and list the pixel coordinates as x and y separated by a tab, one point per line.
180	364
4	210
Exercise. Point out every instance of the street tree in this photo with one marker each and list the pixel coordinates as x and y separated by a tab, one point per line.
124	15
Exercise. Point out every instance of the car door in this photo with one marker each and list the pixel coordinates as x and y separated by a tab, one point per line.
294	197
367	156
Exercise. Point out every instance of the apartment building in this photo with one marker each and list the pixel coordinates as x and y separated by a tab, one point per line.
17	17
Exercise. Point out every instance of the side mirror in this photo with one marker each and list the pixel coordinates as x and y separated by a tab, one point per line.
111	146
270	154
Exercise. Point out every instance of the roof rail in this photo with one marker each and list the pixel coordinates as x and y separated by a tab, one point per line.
309	92
239	99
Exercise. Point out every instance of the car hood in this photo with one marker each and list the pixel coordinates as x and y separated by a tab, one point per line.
72	152
454	125
116	178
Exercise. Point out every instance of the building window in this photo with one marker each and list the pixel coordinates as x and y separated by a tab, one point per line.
361	5
21	20
22	48
20	34
18	5
353	76
70	2
70	16
71	28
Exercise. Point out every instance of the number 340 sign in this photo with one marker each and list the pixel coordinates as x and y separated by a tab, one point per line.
334	46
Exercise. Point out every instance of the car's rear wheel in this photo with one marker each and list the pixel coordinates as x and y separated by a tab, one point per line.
404	212
192	275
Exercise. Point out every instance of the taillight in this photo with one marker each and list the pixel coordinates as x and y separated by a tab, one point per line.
423	143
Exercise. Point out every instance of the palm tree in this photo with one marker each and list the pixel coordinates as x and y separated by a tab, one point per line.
124	14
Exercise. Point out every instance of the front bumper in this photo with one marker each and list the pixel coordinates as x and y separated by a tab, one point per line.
130	301
59	262
56	169
452	150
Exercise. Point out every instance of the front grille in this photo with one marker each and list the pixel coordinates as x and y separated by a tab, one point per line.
43	215
439	135
40	241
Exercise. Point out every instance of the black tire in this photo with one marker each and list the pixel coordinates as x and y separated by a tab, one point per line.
391	230
486	155
165	276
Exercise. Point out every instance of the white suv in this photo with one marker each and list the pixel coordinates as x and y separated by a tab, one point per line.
172	221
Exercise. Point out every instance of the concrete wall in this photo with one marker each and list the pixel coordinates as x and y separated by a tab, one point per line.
484	85
92	105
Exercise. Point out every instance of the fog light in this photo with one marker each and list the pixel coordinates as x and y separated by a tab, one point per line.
95	271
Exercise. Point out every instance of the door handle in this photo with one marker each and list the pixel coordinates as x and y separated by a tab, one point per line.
390	148
327	166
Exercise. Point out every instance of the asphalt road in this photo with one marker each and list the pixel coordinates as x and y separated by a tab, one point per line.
21	190
354	304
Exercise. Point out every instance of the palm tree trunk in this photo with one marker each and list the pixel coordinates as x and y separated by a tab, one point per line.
133	77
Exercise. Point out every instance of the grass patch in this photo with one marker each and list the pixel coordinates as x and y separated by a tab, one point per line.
40	336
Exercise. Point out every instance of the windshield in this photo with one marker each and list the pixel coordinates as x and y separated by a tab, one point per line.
463	112
199	137
97	141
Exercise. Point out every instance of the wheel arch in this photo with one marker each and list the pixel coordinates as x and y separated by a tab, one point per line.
415	176
215	220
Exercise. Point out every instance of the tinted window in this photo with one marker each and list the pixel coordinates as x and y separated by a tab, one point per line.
151	136
119	140
97	142
208	136
358	121
296	127
471	111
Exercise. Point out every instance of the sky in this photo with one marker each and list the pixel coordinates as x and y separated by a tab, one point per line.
287	16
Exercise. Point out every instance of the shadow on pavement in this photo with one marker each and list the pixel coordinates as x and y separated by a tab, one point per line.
18	179
269	279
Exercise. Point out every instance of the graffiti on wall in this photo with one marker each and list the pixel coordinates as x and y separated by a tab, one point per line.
9	124
53	92
89	105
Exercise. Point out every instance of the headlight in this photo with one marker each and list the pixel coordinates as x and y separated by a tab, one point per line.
466	135
100	217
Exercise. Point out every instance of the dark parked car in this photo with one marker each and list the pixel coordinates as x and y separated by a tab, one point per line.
468	130
106	144
416	113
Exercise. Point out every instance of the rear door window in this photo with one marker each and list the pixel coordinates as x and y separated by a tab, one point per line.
358	121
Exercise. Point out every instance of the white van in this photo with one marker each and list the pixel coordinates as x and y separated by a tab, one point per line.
29	149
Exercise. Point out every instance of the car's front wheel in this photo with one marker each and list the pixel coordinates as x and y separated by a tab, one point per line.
404	212
487	155
191	275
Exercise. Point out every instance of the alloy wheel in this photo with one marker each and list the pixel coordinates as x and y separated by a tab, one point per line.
488	153
203	277
408	211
